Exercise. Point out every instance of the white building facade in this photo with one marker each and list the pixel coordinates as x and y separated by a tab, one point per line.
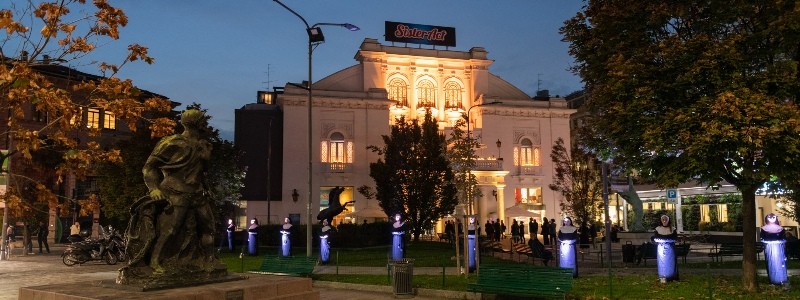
355	107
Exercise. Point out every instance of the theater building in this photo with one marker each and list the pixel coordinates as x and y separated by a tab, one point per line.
354	107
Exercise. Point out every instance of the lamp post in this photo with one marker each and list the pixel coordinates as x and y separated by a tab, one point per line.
469	137
315	37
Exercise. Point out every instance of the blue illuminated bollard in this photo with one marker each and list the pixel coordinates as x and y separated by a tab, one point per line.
398	230
252	237
774	239
230	230
568	238
471	262
286	238
324	246
667	261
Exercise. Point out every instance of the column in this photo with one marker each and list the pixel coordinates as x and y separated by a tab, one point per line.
501	202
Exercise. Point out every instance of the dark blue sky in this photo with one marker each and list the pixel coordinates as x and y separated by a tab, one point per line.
218	53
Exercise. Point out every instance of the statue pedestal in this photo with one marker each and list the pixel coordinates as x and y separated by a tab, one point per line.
254	287
636	238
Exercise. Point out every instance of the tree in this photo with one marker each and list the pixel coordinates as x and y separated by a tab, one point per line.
224	177
414	176
695	90
577	178
40	35
461	151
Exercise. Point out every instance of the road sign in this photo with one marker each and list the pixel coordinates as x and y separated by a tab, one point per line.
672	195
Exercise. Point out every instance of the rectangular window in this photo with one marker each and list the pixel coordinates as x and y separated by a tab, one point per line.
109	120
337	151
349	152
530	195
93	118
324	151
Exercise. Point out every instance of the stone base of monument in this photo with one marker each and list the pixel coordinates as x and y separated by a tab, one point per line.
253	287
636	238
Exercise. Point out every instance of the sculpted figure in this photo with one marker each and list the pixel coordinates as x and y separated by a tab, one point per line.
633	199
171	231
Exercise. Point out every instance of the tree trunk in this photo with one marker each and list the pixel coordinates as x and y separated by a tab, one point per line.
749	279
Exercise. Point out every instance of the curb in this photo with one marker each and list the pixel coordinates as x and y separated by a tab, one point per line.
433	293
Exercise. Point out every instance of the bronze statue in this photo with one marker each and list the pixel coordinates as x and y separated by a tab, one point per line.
334	206
171	231
638	210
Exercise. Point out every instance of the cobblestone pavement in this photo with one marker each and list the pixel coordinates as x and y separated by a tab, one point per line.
42	269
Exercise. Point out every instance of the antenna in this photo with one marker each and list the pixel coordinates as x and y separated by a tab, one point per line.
538	82
268	82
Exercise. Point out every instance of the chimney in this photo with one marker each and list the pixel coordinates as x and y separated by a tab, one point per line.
542	95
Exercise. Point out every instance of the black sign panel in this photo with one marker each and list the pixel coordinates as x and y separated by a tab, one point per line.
420	34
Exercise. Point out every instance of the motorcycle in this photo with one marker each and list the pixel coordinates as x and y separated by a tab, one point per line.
117	244
104	249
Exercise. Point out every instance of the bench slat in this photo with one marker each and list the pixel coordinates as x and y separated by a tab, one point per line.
283	265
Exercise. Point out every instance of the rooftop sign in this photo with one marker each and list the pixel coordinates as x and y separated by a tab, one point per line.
420	34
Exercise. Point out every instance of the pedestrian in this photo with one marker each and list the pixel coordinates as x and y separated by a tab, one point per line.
545	231
42	236
592	232
489	231
584	236
514	231
552	228
75	233
533	228
497	231
27	238
11	238
521	233
502	229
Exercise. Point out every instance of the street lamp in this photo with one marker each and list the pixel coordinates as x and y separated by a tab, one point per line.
315	37
469	137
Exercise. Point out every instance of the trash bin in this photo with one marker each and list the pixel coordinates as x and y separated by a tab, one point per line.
628	252
402	276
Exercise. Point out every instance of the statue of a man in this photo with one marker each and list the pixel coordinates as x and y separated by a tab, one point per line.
172	231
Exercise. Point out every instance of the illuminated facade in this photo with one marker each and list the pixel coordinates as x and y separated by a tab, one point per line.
354	107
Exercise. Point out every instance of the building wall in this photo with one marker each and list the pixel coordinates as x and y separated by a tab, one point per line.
358	103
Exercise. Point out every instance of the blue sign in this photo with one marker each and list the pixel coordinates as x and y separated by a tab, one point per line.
672	195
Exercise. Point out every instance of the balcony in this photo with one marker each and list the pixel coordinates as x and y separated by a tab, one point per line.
489	165
336	167
530	170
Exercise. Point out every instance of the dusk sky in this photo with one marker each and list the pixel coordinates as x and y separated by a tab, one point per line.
220	53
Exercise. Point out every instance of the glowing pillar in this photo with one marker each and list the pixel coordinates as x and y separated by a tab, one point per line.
567	257
776	261
324	249
471	262
666	259
397	245
252	243
286	243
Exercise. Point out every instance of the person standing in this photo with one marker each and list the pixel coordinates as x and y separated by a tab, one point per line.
502	229
514	231
552	229
489	231
545	231
521	233
533	228
42	236
497	231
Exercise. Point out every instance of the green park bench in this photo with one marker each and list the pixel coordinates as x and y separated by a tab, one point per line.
522	280
287	265
731	249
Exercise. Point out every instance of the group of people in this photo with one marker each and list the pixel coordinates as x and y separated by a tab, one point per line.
42	232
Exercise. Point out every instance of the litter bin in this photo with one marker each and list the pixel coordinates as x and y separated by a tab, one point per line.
628	252
402	276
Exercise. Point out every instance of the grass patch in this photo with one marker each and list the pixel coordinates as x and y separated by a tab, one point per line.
450	282
689	287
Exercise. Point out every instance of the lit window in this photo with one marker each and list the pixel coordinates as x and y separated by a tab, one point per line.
109	120
528	155
93	118
530	195
398	91
452	95
336	150
426	94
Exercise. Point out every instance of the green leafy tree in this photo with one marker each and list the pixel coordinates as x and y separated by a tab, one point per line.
578	179
695	91
461	152
414	177
122	183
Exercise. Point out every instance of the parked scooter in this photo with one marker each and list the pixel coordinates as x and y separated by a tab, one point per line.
89	249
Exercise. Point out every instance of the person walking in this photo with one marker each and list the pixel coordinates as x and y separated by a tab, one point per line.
533	228
42	236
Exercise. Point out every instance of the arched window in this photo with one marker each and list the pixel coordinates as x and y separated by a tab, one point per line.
336	149
452	95
528	154
398	91
426	94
